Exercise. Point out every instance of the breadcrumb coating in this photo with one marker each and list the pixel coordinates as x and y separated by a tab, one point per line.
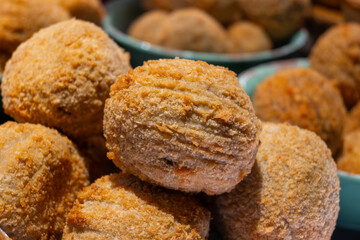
291	193
182	124
120	206
62	76
304	98
41	173
20	19
247	37
280	18
349	160
336	55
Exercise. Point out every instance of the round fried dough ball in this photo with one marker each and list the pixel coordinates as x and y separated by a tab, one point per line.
304	98
247	37
336	55
120	206
352	122
62	76
41	173
147	26
20	19
291	193
280	18
182	124
349	161
192	29
226	11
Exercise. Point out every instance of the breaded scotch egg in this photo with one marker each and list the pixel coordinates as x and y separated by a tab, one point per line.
120	206
349	160
41	173
336	55
62	76
291	193
192	29
182	124
20	19
304	98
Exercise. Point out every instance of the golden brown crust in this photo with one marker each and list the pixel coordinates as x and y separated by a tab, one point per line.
245	37
291	193
336	56
280	18
304	98
349	161
20	19
182	124
41	173
192	29
62	76
120	206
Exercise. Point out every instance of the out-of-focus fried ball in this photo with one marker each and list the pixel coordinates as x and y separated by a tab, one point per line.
247	37
349	161
280	18
226	11
20	19
291	193
120	206
41	173
147	26
336	55
62	76
94	151
304	98
182	124
353	119
3	59
192	29
89	10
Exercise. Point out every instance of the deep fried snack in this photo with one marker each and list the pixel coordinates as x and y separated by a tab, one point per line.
245	37
147	26
352	122
20	19
192	29
62	76
120	206
336	56
280	18
41	173
226	11
94	151
182	124
304	98
291	193
349	160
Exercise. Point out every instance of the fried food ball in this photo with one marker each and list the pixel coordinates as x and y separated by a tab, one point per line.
4	57
61	78
336	55
147	26
246	37
291	193
352	122
349	160
192	29
226	11
280	18
182	124
20	19
120	206
304	98
94	151
89	10
41	173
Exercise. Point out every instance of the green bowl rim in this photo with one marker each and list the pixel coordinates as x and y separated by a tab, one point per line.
349	176
298	40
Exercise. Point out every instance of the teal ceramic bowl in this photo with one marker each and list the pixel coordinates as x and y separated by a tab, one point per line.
122	12
349	215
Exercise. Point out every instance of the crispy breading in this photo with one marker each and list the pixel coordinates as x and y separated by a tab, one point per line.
62	76
41	173
304	98
120	206
20	19
336	55
182	124
349	160
291	193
